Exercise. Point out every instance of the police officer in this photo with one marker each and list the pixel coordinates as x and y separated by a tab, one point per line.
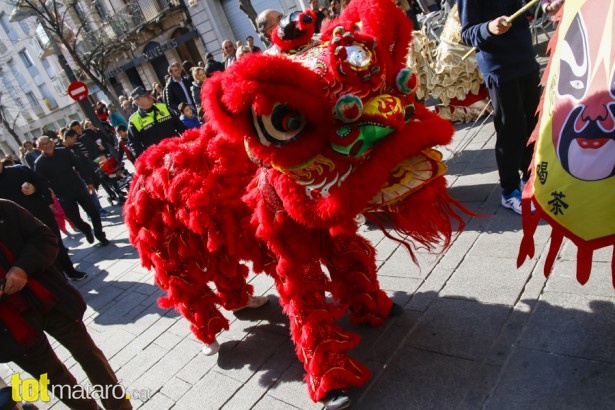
151	123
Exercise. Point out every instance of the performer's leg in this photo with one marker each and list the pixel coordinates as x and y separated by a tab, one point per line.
231	285
351	261
319	343
74	336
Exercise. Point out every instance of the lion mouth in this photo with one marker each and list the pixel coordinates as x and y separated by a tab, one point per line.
408	177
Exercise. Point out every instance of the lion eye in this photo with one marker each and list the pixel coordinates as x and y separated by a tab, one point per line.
281	126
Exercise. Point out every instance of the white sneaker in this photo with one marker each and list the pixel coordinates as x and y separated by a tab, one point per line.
512	201
254	302
211	349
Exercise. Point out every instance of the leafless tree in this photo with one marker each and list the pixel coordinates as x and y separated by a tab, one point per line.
71	26
5	117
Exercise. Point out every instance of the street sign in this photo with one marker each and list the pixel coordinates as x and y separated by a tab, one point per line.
77	90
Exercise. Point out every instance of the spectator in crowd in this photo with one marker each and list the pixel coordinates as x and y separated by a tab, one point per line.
22	154
251	46
507	60
66	178
177	89
198	73
320	14
100	108
94	142
122	135
188	117
187	67
334	9
157	92
34	299
267	21
50	133
152	122
31	154
212	65
115	118
60	217
128	107
70	140
29	190
241	51
228	51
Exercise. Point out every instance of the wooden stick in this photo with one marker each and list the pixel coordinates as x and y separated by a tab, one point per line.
509	20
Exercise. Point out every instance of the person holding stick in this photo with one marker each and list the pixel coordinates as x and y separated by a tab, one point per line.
507	60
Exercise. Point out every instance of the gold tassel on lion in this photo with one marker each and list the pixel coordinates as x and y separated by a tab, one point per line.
573	176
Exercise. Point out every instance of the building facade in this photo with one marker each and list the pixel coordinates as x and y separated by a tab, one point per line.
147	36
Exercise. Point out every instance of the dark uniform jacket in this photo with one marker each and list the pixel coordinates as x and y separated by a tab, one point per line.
149	127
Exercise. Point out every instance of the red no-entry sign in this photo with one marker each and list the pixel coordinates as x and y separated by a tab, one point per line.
77	90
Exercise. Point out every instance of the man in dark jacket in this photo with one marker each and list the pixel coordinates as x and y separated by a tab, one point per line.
35	298
60	166
507	60
28	189
177	89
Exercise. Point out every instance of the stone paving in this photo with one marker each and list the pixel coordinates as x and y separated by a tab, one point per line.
476	333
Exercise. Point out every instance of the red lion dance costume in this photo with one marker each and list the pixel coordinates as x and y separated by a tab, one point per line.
296	145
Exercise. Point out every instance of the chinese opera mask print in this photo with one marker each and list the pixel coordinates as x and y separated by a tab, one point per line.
584	115
573	176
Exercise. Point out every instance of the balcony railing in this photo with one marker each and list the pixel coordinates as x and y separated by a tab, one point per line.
125	21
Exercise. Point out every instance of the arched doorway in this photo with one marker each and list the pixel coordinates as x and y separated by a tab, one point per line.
134	77
160	64
187	51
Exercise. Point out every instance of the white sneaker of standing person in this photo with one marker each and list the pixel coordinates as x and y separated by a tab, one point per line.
512	201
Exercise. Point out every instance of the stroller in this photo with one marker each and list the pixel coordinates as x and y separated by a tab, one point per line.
114	178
